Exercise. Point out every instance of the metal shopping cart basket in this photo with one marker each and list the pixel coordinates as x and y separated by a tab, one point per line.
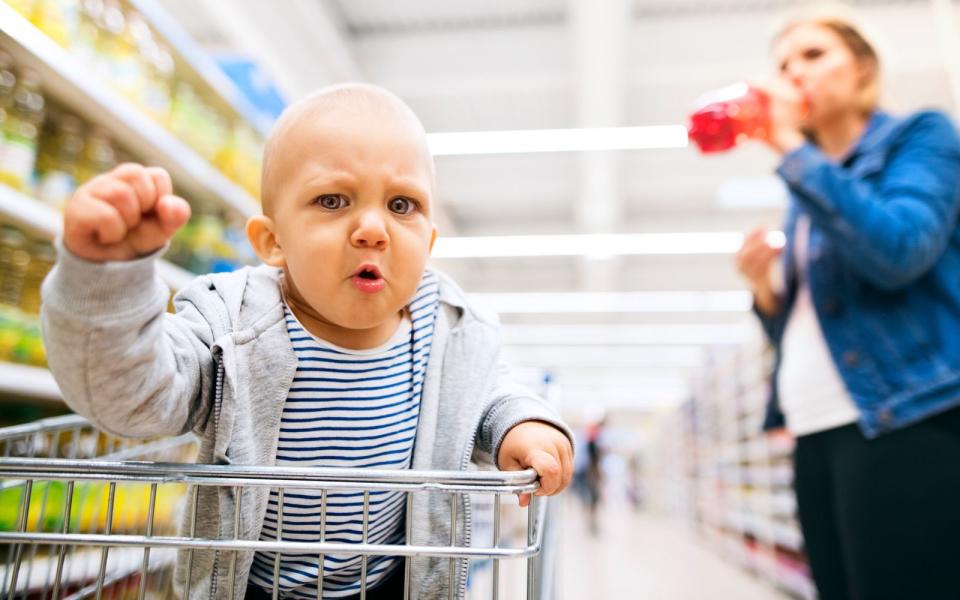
85	514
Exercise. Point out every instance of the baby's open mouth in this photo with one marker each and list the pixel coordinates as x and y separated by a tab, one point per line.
367	272
368	279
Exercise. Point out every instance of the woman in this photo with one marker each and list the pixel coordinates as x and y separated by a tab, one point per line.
867	325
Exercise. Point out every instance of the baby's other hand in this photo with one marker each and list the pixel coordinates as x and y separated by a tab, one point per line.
542	447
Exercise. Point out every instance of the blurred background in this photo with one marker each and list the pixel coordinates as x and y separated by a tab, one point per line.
647	346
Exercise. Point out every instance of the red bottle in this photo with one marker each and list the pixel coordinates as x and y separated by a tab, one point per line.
727	116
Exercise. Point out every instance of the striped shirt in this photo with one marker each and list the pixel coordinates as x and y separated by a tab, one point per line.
350	409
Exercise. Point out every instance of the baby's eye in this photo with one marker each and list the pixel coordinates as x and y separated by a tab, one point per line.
402	206
331	201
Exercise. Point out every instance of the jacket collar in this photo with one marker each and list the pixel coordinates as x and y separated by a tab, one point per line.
879	127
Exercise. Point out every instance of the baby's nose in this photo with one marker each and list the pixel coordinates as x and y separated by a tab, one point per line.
371	232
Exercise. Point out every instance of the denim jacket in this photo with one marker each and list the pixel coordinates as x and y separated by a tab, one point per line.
884	266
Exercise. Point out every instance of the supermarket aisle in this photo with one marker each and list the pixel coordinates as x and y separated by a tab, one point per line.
642	556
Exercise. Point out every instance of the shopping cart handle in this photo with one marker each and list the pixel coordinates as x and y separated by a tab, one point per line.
501	482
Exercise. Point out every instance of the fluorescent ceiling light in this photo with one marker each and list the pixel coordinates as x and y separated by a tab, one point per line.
609	244
556	358
682	334
558	140
615	302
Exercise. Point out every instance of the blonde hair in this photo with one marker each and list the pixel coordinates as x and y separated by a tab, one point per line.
841	21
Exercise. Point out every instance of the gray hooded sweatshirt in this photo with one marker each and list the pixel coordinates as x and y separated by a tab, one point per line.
222	366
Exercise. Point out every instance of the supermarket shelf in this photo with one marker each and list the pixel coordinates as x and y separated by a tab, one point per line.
45	222
35	217
744	504
190	52
83	566
72	84
28	382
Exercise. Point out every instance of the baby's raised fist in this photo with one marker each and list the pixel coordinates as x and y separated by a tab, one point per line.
123	214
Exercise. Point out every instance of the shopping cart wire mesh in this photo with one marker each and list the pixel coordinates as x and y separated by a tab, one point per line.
85	514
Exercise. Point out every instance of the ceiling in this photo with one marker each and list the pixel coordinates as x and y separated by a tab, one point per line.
502	64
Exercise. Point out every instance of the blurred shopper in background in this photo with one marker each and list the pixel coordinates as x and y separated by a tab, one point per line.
588	476
867	322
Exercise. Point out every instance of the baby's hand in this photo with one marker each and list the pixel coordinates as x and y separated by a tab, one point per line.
123	214
537	445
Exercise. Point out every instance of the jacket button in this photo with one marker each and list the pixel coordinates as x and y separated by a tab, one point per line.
851	358
885	416
831	306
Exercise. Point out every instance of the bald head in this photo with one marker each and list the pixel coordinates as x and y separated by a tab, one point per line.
340	102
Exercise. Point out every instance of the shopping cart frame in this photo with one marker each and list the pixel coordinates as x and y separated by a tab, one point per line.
26	471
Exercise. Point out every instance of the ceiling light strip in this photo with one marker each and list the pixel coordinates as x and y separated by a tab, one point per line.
611	244
558	140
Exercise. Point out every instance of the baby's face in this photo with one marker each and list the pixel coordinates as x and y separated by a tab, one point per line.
352	214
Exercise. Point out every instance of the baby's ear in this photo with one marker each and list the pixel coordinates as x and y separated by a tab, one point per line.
433	238
264	241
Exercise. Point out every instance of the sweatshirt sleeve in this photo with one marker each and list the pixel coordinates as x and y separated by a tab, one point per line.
511	404
119	358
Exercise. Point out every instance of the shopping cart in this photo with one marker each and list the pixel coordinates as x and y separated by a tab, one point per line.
87	514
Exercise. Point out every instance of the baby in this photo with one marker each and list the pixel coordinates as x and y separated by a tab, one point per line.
341	350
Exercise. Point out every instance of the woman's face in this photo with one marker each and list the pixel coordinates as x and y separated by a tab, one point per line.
816	60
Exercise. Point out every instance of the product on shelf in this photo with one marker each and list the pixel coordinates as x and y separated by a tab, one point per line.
58	159
195	121
20	338
23	265
154	91
98	156
59	19
24	7
14	262
42	257
21	132
239	159
206	245
8	81
88	508
119	46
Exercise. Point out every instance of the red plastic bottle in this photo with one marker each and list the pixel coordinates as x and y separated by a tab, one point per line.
727	116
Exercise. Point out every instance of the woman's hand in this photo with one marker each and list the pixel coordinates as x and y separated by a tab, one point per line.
788	112
754	261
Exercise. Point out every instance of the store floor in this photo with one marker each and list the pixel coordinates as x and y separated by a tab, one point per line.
641	556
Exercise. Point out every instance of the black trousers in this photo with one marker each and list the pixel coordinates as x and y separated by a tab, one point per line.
881	518
389	589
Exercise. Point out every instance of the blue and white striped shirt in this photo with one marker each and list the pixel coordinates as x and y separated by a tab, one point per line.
351	409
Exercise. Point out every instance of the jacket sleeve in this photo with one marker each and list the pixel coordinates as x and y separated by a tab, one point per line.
512	403
893	231
119	358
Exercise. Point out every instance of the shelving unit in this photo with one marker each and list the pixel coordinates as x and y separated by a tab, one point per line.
77	89
735	481
25	381
201	63
70	82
